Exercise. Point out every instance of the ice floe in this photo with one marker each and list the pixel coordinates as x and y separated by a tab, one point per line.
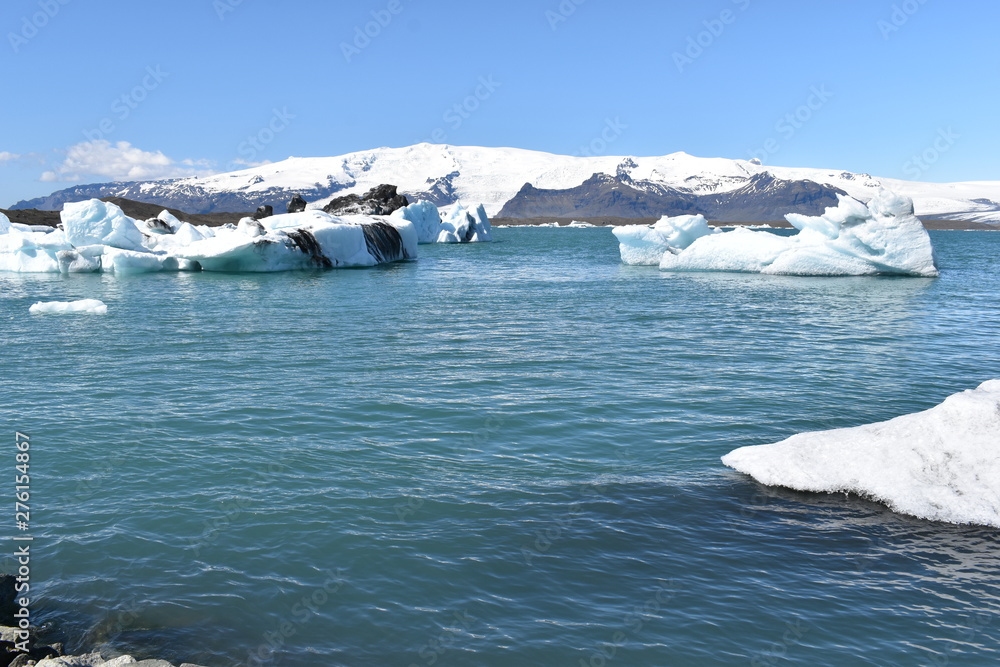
97	236
942	464
882	238
646	246
461	225
90	306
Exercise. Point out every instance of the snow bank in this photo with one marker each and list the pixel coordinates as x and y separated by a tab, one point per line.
882	238
646	246
92	306
942	464
97	236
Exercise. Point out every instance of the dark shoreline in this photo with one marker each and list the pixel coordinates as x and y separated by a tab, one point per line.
929	223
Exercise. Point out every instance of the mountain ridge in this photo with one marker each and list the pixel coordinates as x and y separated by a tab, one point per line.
445	174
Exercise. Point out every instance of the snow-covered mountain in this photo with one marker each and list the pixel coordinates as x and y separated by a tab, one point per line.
725	189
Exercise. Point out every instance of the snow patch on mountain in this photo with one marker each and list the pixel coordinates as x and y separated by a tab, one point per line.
445	174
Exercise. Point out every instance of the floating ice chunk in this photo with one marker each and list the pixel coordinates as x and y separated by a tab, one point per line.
169	219
464	226
92	306
426	220
641	245
30	252
646	246
4	224
40	229
883	237
187	233
250	227
97	222
484	229
73	261
942	464
310	239
124	262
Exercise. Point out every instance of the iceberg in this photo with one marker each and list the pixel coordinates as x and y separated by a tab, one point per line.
461	226
91	306
304	240
97	236
646	246
942	464
95	222
851	239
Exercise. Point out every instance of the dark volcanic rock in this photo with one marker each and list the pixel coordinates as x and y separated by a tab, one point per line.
297	204
765	198
381	200
31	216
601	195
8	595
265	211
762	199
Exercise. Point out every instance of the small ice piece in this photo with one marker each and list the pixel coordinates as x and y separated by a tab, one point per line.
942	464
91	306
250	227
169	219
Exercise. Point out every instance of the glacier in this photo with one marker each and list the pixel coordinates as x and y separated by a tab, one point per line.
942	464
97	236
90	306
883	237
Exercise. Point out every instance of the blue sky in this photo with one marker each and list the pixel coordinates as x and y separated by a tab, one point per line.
105	90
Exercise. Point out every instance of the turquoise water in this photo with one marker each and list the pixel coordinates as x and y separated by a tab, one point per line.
501	454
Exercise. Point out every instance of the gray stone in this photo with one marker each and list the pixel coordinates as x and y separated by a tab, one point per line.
8	634
89	660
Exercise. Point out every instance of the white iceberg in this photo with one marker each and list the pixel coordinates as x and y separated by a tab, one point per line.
310	239
461	225
97	236
646	246
464	226
942	464
91	306
95	222
882	238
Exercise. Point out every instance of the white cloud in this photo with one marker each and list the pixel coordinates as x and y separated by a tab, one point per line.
7	157
121	161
